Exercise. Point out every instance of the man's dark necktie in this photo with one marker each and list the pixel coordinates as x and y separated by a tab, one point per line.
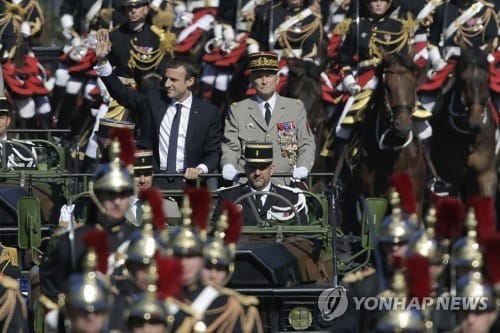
172	141
268	113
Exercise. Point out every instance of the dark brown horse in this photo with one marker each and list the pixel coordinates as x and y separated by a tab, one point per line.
463	146
385	142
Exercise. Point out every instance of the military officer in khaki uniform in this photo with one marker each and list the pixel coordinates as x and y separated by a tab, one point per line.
268	117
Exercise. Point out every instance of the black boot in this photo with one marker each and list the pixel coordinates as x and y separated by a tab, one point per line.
57	97
45	122
435	184
67	107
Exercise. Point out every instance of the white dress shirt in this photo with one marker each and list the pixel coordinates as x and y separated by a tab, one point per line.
165	127
262	104
263	197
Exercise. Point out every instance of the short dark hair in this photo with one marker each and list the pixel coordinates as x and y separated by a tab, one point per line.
192	69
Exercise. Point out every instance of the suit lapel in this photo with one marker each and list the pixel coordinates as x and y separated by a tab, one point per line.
160	110
193	116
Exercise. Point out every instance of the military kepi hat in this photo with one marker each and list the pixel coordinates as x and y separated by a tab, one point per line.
143	160
263	61
134	3
4	105
259	152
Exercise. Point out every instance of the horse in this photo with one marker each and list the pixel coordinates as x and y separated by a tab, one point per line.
463	143
385	141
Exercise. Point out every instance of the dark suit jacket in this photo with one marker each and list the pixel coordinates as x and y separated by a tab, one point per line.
204	133
235	192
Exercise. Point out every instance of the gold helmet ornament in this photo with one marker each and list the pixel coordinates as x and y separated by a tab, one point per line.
148	308
423	242
466	249
402	319
189	238
473	287
220	250
88	291
115	176
144	243
397	227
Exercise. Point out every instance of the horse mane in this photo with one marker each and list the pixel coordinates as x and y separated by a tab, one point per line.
403	59
473	56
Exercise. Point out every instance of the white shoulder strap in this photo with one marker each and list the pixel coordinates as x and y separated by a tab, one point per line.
204	299
459	21
291	21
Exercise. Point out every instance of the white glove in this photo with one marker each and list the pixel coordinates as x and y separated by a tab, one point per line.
300	172
25	29
351	85
229	172
68	33
438	63
218	35
67	21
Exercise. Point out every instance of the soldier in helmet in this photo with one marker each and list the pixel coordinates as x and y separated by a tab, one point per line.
84	301
259	167
208	303
110	191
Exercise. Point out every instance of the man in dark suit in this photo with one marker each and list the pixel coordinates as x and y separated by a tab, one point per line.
195	146
259	168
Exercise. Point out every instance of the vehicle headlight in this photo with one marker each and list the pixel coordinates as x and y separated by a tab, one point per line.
300	318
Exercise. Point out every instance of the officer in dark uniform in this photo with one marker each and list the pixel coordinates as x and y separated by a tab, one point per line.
84	301
468	23
278	28
110	191
259	168
206	304
135	45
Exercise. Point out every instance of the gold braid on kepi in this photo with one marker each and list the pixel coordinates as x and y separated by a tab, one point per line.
148	307
220	250
115	176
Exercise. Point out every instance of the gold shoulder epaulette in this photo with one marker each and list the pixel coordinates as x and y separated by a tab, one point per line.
9	283
245	300
358	275
343	27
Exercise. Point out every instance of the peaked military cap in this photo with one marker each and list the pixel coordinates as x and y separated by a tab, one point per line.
134	3
143	160
105	125
259	152
263	61
4	106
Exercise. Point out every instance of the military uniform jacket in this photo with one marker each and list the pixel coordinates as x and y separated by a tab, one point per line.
481	28
135	52
56	264
374	34
288	130
304	36
225	314
234	192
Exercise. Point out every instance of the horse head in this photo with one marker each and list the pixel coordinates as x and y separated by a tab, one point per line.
399	76
473	86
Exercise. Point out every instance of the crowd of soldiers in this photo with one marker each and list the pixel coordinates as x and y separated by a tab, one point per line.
130	69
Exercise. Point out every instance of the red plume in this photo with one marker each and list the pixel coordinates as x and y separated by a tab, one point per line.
200	200
492	249
403	184
98	240
485	216
450	218
169	276
235	221
127	144
155	199
419	280
397	262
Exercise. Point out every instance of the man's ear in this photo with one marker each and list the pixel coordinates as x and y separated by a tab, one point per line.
273	167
